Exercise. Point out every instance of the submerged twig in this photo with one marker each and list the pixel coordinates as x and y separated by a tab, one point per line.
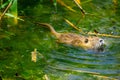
10	3
105	35
81	9
105	77
90	33
71	24
81	71
63	4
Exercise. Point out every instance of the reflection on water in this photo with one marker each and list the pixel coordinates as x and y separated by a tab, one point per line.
82	63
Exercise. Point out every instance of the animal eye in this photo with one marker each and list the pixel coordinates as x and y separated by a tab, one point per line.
86	40
101	40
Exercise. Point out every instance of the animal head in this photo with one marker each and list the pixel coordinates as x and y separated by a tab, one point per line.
93	43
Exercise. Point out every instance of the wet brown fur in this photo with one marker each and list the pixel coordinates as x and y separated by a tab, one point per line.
88	43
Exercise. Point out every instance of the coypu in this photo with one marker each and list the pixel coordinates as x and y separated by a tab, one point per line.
88	43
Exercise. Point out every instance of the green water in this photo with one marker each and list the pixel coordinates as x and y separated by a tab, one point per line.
60	61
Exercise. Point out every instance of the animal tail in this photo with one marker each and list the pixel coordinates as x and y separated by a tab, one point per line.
50	27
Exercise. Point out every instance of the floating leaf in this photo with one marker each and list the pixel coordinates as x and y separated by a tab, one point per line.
34	55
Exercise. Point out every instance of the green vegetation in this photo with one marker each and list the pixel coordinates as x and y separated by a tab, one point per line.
19	36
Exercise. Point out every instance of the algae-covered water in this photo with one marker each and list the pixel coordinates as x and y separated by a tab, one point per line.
57	61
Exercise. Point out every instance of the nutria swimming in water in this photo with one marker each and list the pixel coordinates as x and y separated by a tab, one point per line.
88	43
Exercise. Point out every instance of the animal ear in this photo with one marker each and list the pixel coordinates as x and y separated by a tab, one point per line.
86	40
